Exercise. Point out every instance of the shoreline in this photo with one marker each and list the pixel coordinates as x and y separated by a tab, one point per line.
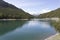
54	19
13	19
54	37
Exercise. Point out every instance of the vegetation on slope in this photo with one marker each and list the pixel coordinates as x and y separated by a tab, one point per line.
8	11
56	25
54	13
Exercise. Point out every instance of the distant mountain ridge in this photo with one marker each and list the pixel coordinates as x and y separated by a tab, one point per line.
54	13
5	5
9	11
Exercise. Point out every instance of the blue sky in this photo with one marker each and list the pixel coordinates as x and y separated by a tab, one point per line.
36	7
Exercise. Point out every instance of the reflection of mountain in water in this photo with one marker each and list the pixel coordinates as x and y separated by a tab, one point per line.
31	30
6	26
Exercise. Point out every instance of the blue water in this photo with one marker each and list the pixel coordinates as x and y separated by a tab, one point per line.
29	30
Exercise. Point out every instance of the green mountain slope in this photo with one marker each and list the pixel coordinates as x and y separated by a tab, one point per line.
54	13
9	11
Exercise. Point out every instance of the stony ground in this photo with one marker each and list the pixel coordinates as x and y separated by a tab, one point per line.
54	37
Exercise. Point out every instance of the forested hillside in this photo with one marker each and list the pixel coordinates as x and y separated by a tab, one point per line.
54	13
9	11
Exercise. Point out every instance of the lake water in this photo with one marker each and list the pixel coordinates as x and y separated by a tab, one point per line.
26	30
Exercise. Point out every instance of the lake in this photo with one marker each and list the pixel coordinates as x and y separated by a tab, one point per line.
26	30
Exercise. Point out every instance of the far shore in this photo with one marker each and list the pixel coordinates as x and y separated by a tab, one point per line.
13	19
53	19
46	19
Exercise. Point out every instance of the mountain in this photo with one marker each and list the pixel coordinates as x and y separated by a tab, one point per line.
5	5
54	13
9	11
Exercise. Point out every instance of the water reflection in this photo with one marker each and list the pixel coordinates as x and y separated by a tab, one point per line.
6	26
31	30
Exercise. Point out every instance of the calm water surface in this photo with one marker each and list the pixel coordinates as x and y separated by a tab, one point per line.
26	30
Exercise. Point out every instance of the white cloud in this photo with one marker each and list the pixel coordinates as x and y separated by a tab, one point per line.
31	11
24	3
39	12
31	6
45	10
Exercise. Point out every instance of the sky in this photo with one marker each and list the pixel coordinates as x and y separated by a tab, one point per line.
36	7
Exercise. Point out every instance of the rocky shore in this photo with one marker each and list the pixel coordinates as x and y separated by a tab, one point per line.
54	37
